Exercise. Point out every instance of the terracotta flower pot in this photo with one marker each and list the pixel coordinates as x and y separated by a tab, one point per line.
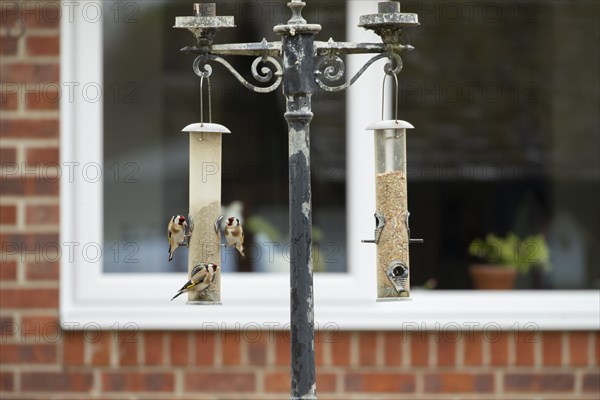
493	277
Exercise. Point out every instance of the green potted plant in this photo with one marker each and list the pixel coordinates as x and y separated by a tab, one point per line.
504	257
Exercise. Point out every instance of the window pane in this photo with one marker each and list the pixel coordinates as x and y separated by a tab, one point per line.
152	93
505	99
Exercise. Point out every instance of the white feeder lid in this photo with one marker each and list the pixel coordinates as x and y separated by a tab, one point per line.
390	124
206	127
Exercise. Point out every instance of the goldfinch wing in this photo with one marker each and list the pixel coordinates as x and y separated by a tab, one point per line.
199	274
188	284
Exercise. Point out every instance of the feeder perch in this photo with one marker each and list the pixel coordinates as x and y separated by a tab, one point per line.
205	203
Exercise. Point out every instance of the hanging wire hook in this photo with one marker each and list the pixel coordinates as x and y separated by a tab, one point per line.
209	101
390	72
202	77
201	102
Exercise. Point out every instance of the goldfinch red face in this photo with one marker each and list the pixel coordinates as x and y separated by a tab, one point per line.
233	222
181	220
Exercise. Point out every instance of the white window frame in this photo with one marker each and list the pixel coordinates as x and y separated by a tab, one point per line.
88	297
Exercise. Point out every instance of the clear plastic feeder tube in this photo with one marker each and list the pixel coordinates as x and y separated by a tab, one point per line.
393	277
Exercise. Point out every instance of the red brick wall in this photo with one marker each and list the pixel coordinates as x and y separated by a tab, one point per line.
39	361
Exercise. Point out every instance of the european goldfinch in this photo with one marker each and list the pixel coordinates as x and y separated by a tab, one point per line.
201	278
176	233
234	234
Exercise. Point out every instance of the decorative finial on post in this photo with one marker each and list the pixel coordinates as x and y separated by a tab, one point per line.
296	6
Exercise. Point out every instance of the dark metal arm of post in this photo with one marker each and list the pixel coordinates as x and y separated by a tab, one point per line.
273	49
329	67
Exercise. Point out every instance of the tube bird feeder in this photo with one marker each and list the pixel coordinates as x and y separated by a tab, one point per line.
205	204
392	232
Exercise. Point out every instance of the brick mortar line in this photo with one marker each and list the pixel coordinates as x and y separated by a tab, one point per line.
31	87
354	349
486	352
16	314
30	200
114	350
166	353
49	173
29	284
538	350
433	349
178	381
29	143
43	368
499	377
32	340
259	381
592	350
191	355
565	351
218	351
512	350
30	258
23	228
4	32
327	353
24	58
96	383
45	32
420	382
244	352
578	387
49	313
270	351
405	348
140	348
379	349
459	355
31	115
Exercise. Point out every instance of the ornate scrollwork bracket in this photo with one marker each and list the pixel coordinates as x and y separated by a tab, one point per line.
331	68
272	68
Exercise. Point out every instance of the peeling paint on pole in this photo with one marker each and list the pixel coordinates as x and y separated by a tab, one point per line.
298	86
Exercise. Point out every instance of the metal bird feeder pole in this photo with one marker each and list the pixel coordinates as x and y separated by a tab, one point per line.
306	63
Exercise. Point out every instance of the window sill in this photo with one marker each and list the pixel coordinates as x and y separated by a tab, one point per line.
429	310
